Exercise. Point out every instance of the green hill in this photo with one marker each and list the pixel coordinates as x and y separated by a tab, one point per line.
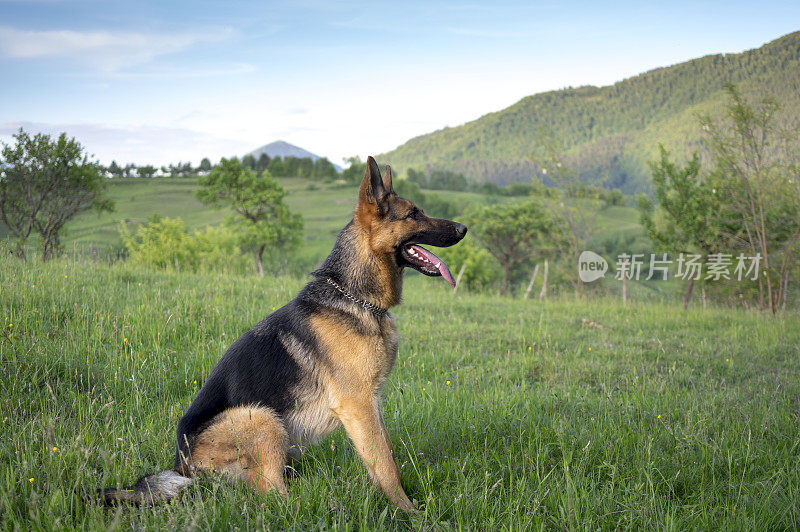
609	132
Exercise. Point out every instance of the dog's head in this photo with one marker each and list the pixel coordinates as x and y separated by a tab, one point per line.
397	228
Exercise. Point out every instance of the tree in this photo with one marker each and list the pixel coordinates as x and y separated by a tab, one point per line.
43	184
305	166
573	210
512	233
263	162
276	167
431	203
756	166
262	219
324	169
687	219
146	171
129	170
248	161
178	170
417	177
115	170
446	180
205	165
355	171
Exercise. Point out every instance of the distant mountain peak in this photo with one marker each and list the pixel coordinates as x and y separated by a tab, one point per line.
281	148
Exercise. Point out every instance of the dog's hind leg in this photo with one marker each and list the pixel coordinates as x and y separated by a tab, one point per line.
248	443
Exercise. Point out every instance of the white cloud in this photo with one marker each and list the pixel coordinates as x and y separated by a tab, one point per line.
137	144
106	50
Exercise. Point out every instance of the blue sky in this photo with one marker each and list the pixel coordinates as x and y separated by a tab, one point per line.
167	81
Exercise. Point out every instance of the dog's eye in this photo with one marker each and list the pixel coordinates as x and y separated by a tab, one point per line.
415	214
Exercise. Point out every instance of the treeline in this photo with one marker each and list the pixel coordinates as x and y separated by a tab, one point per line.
277	166
181	169
455	181
458	182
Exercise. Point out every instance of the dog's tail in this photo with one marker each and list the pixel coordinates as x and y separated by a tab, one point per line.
151	489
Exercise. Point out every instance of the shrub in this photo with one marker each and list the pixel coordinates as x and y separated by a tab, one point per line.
481	271
164	243
216	249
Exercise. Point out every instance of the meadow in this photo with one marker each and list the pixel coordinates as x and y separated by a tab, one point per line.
325	207
504	413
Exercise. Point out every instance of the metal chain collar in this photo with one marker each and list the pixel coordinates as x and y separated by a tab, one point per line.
366	304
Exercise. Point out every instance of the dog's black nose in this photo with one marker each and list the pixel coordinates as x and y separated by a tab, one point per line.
461	230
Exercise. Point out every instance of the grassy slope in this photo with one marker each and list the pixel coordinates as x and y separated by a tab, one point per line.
659	419
325	208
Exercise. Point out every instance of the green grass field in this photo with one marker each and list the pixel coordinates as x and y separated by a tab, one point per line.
504	413
325	208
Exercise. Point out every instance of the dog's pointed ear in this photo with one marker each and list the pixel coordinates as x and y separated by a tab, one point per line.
372	189
387	179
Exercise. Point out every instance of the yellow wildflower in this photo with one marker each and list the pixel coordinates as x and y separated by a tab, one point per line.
30	480
448	383
55	449
659	416
124	339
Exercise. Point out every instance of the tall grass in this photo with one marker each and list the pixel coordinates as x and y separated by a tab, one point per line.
504	414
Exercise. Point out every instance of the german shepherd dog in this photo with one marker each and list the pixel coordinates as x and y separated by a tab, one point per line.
317	363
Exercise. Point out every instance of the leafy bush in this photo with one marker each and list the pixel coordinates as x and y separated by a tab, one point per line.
481	271
164	243
216	249
158	244
614	198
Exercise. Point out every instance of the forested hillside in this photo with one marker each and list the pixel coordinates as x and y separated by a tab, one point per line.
609	133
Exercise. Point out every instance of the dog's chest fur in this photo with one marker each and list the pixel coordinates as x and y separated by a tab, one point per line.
348	362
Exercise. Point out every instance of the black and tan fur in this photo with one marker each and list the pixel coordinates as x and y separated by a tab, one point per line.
318	363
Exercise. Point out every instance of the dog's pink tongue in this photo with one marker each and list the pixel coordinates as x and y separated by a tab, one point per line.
437	263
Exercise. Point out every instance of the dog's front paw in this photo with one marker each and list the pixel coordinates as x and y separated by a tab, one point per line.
406	505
